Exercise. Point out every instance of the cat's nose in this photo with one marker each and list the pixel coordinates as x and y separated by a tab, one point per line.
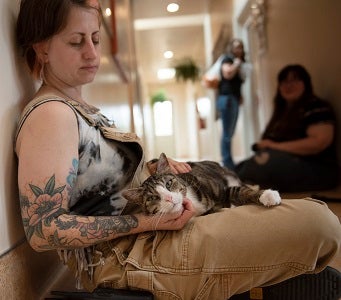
169	198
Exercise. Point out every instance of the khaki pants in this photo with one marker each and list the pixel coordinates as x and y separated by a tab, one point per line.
226	253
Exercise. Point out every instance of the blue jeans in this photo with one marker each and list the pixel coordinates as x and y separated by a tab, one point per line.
228	107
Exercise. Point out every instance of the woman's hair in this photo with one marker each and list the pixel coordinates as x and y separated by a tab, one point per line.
298	72
230	47
39	20
280	104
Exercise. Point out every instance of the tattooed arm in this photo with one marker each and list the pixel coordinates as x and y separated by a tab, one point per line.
47	148
48	226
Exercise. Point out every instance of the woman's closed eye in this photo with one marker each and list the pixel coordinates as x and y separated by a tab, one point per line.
79	41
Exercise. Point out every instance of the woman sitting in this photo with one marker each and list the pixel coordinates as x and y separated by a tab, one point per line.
297	150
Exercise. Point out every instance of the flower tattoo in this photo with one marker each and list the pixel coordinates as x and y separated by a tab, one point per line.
47	204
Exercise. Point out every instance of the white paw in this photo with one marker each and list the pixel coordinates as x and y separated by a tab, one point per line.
270	198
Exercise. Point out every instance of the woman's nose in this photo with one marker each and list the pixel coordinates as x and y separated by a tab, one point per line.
90	51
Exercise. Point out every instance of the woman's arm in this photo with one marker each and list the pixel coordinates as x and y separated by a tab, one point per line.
229	70
176	166
319	137
47	148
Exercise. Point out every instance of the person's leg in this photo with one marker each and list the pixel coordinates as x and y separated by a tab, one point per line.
286	172
226	253
229	110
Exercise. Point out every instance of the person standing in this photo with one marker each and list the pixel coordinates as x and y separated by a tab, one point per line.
228	95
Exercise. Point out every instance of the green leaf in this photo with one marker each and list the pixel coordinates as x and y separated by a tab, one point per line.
186	69
59	190
25	222
159	96
36	191
49	188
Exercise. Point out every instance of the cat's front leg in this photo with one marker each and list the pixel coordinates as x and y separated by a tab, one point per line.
270	198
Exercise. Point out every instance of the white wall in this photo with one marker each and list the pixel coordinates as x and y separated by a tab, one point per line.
15	86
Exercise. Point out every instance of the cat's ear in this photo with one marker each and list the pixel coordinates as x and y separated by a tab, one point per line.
163	165
133	195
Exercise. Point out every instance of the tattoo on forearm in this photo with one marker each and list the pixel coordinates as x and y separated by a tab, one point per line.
47	207
97	228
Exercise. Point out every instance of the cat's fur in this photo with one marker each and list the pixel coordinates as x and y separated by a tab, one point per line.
208	185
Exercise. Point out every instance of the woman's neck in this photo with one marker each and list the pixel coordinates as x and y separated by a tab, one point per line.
66	94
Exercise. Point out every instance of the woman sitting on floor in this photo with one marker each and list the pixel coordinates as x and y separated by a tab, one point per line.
297	150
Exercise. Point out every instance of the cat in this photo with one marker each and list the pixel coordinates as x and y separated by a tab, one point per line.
208	185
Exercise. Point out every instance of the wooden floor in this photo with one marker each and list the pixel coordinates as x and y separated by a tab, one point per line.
334	204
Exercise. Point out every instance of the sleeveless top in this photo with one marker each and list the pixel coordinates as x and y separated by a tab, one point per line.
109	161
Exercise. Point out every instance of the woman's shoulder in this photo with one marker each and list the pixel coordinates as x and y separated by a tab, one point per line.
317	103
47	101
46	109
318	109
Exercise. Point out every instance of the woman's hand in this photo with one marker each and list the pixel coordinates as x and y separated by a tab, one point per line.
178	167
266	144
171	221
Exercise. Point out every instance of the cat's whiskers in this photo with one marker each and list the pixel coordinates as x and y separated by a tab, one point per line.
157	217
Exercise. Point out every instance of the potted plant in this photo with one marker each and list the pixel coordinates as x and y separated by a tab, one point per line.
186	69
159	96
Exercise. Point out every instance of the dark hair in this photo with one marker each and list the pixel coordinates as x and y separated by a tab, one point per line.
230	47
299	72
39	20
280	104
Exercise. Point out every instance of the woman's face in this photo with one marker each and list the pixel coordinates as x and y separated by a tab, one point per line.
291	88
237	49
73	55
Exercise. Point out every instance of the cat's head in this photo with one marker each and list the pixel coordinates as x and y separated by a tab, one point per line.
160	193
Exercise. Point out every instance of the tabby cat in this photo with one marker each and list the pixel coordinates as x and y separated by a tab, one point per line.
208	185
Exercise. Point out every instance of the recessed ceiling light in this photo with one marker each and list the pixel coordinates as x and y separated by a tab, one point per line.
172	7
168	54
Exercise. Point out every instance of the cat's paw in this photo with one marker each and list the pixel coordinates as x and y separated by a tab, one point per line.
270	198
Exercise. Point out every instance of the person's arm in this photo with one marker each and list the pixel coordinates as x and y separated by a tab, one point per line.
229	70
319	137
176	166
47	149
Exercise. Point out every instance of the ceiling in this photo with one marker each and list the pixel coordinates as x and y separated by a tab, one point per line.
182	32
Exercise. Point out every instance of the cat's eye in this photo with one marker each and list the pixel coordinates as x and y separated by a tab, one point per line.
169	184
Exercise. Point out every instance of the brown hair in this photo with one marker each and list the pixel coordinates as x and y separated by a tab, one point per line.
39	20
231	45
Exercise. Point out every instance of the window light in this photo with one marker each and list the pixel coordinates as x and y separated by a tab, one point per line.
167	73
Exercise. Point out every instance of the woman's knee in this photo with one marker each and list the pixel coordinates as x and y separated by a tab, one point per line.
321	225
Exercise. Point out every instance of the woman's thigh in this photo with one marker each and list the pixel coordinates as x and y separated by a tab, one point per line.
237	248
284	171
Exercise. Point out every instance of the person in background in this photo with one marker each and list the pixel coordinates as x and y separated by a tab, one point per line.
228	84
297	149
73	167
